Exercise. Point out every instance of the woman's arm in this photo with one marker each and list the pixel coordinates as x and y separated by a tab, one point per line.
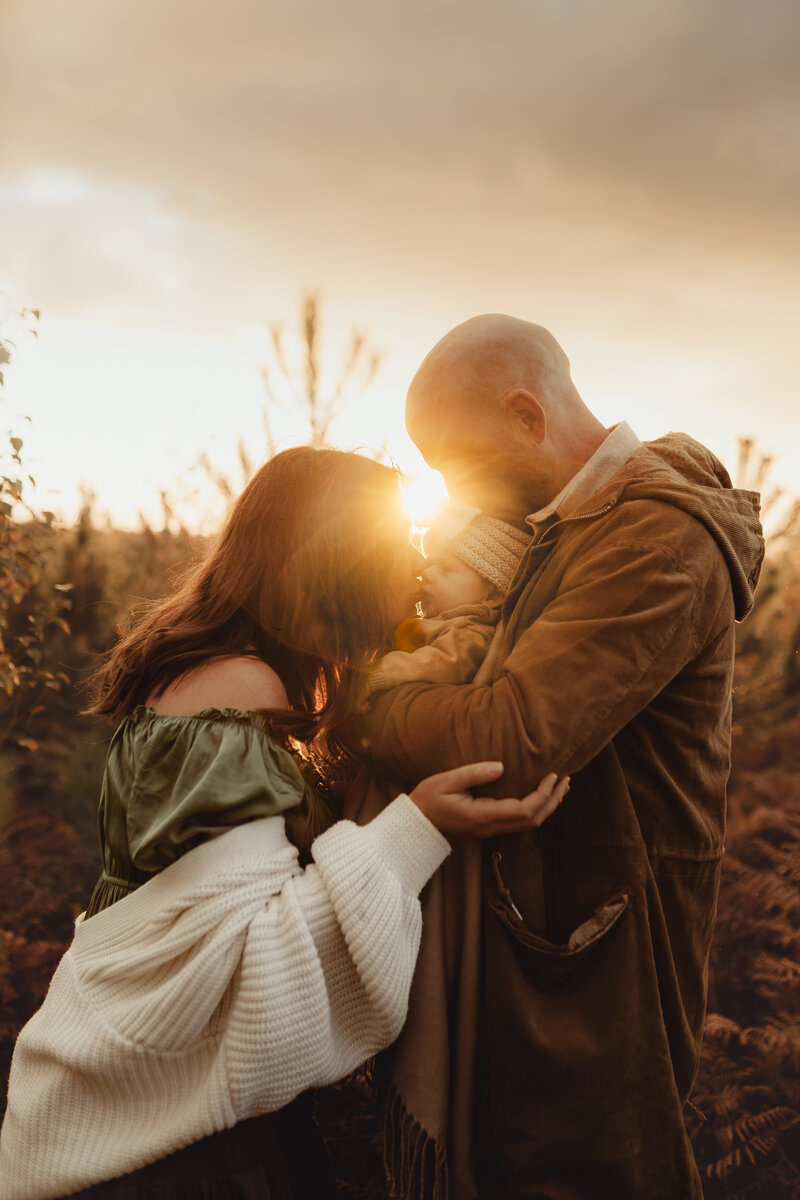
326	969
327	966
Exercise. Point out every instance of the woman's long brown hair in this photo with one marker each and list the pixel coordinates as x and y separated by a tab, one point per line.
299	577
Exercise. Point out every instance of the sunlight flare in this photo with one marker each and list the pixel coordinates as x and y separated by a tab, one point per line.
424	494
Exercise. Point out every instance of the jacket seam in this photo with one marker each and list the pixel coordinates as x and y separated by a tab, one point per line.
602	713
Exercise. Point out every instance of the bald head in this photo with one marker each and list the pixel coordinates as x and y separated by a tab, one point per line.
493	406
474	366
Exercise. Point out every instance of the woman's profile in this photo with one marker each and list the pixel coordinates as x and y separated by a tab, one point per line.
223	968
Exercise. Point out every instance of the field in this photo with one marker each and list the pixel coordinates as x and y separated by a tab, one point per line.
745	1118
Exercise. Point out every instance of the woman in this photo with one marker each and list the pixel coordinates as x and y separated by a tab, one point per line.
212	979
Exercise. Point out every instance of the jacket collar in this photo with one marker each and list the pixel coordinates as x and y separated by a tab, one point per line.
612	454
676	470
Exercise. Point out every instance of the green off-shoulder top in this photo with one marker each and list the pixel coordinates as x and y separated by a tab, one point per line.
172	782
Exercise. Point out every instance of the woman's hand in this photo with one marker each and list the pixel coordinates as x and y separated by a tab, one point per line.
446	801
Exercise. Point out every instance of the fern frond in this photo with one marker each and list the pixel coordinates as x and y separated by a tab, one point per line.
750	1125
776	1039
722	1029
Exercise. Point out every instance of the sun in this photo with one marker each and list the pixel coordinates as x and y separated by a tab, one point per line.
424	494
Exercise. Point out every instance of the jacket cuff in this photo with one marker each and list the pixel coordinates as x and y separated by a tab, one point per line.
375	680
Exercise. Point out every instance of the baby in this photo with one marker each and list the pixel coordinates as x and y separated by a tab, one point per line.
471	560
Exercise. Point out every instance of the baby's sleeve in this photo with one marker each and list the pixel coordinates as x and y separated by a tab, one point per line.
447	649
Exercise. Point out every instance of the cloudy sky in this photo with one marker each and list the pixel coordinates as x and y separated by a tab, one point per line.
175	173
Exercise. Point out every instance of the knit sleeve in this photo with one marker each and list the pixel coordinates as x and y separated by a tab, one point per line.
219	990
327	967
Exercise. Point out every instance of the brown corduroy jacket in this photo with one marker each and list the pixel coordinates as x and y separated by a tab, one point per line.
615	666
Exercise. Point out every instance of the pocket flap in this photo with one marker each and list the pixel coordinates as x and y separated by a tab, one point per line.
552	961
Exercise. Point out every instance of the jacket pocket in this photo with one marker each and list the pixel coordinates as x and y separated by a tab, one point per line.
580	1088
550	962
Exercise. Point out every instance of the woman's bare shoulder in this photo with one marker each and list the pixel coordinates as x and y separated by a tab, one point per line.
236	682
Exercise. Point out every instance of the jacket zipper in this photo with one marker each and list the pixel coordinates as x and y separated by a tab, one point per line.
501	887
577	517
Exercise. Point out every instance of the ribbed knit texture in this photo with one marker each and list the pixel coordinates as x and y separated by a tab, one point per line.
221	989
489	546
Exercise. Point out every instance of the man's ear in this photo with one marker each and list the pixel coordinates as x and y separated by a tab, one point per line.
526	415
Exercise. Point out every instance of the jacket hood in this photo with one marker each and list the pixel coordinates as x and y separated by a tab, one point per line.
678	470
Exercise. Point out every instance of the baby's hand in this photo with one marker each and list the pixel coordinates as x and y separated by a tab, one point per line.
408	635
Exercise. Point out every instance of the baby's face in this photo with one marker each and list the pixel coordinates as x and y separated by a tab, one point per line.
447	582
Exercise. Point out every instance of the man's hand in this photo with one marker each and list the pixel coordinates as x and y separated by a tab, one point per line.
447	802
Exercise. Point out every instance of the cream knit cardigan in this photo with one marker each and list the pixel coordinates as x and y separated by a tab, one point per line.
219	990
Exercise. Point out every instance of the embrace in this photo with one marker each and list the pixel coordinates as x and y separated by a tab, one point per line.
481	845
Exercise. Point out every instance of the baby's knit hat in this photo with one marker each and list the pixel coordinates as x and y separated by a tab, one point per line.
491	547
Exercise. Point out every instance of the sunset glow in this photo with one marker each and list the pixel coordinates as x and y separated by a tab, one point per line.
624	176
424	493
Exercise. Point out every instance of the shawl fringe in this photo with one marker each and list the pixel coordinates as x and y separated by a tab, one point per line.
415	1164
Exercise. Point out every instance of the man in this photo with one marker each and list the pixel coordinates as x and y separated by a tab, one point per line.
613	664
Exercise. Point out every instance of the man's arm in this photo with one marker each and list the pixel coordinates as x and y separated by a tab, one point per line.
629	616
